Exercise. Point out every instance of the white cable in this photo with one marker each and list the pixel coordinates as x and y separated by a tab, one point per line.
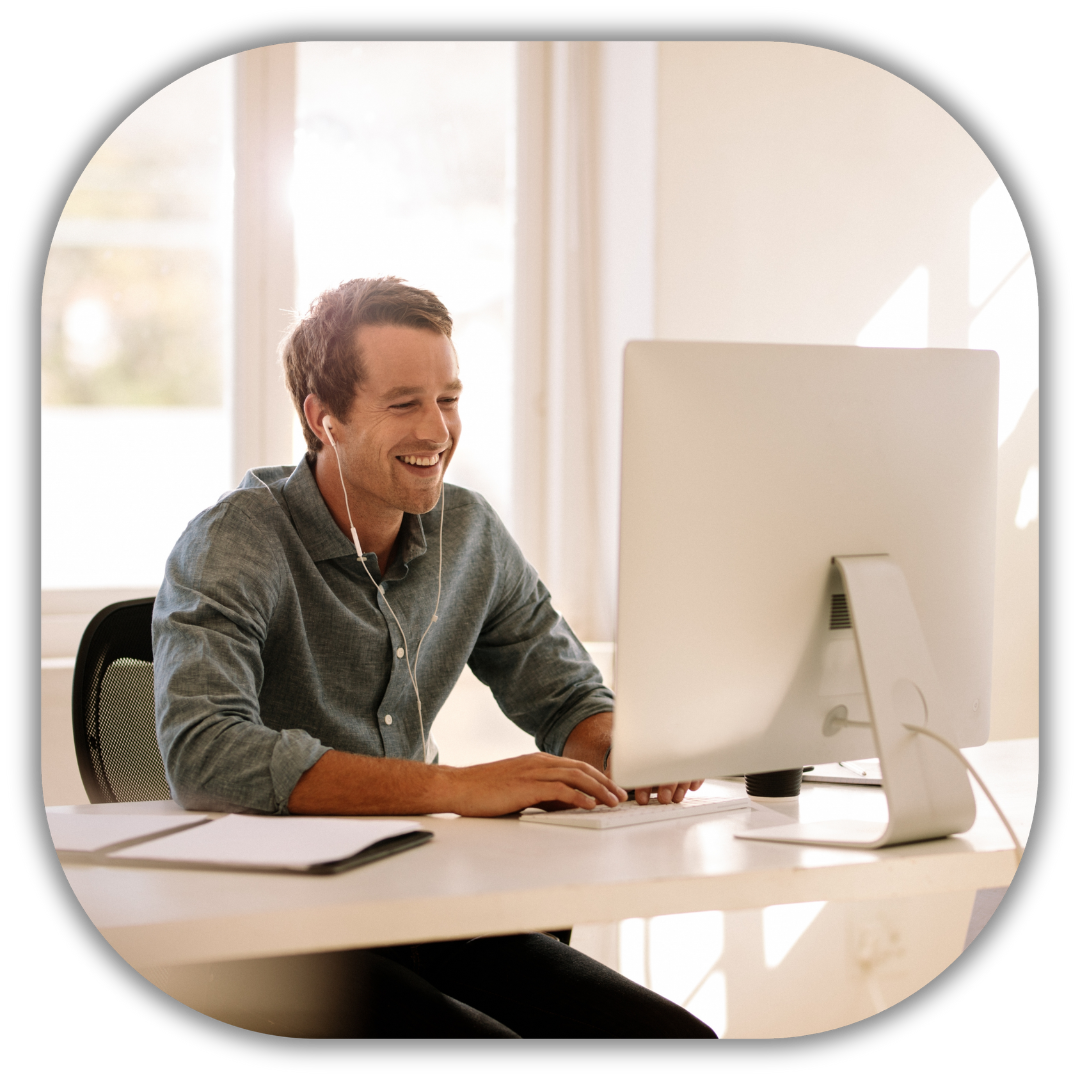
410	667
844	722
971	769
345	492
438	594
434	620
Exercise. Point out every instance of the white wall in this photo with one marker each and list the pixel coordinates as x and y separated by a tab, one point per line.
797	190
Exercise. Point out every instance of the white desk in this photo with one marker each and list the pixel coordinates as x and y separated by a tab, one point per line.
481	876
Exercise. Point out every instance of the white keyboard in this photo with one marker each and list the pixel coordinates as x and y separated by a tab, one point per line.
630	813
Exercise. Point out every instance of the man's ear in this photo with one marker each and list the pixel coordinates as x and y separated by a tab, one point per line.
319	419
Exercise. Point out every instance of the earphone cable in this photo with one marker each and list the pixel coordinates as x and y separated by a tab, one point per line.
410	667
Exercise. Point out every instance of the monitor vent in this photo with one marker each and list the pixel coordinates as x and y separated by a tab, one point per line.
839	616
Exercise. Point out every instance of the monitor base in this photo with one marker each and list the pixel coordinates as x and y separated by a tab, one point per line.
927	789
861	834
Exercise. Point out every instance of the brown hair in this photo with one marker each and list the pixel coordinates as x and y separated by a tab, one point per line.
320	353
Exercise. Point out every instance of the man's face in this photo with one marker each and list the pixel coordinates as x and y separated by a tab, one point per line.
403	427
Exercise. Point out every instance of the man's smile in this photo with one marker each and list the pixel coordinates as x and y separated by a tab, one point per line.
421	463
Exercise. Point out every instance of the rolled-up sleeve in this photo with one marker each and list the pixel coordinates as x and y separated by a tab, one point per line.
539	673
210	623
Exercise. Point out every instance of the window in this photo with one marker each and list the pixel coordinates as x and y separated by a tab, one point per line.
403	159
403	167
135	341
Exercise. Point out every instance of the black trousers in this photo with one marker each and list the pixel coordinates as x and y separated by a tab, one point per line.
529	986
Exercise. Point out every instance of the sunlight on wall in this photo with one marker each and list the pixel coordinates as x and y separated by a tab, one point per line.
1004	297
681	956
699	936
1003	300
678	956
902	321
998	242
709	1002
633	950
783	925
1028	510
1009	324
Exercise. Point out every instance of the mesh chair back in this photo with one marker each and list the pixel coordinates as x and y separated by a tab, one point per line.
112	707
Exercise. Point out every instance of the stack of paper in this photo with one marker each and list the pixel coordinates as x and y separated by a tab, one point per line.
305	844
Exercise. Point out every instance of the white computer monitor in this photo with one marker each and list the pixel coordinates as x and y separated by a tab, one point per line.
749	471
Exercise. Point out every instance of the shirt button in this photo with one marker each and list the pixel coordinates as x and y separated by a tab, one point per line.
388	718
401	653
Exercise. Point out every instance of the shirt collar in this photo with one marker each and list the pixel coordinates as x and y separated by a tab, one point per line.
314	525
412	543
319	532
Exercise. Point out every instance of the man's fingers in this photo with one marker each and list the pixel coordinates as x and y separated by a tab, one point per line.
587	784
667	793
601	777
501	787
550	781
594	780
563	797
569	775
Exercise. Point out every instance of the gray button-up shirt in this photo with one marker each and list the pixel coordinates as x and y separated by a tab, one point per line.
272	645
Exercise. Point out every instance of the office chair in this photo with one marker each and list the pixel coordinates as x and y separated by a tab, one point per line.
112	707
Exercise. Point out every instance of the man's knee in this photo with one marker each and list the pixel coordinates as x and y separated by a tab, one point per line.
393	1002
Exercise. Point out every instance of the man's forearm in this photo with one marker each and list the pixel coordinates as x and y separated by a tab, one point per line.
340	783
590	741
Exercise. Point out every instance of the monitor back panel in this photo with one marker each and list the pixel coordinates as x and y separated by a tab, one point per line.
745	469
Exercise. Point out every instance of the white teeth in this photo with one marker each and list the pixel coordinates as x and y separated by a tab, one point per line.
412	459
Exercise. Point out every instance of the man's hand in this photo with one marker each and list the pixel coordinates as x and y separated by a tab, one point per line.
591	741
501	787
667	793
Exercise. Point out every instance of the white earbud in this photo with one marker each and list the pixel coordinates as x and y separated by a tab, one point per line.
330	436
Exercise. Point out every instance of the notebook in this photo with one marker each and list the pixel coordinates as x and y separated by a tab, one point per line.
311	845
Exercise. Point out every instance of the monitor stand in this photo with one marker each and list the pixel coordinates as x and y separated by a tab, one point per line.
926	787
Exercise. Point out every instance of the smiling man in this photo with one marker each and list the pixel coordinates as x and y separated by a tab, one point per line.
312	623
